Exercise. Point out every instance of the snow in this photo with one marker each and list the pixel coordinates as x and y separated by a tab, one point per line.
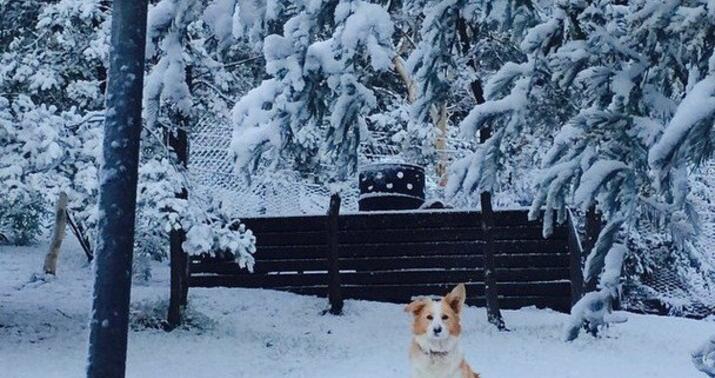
219	17
698	105
594	178
369	24
481	113
260	333
704	357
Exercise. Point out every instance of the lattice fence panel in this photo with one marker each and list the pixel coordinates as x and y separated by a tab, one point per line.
212	174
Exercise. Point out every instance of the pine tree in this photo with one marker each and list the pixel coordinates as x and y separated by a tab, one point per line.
452	39
690	132
313	107
183	66
611	86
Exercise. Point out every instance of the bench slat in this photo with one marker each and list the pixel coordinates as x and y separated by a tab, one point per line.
390	236
389	220
377	263
429	219
268	281
413	249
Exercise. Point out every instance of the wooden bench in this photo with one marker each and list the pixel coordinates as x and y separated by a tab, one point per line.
393	256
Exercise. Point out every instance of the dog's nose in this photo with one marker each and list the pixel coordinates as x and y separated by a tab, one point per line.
437	330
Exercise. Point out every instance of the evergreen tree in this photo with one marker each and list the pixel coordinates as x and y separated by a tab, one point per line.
313	107
177	44
612	84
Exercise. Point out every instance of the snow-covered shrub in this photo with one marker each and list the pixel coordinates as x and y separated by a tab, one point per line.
594	310
151	315
51	75
52	78
21	217
689	135
704	357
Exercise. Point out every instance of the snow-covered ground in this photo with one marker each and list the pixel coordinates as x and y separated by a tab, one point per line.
259	333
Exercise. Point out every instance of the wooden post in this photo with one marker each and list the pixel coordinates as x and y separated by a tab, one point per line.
58	235
335	296
575	255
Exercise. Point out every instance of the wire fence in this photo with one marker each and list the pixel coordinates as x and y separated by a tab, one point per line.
282	193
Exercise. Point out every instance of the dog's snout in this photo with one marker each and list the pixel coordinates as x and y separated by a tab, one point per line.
437	330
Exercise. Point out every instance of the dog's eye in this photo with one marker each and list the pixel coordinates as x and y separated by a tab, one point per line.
429	317
445	317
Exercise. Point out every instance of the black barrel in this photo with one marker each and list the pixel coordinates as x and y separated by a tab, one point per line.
391	186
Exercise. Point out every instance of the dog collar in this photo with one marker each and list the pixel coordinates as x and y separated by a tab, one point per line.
434	353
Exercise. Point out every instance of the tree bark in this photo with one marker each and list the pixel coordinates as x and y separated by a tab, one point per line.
117	192
494	315
440	119
491	291
593	229
58	235
405	76
179	143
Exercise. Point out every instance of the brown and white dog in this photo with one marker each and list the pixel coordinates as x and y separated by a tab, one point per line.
435	350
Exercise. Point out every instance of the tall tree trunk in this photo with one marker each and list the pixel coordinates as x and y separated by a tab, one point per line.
593	229
441	118
179	143
490	281
58	234
494	315
117	192
405	76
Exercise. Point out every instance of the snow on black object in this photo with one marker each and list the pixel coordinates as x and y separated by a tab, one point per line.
391	186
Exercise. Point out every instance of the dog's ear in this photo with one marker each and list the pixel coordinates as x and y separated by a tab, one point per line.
416	306
455	299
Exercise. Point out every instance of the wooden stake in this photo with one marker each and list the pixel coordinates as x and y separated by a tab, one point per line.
58	235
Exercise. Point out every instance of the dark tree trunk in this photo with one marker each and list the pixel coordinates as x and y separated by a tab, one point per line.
490	281
101	69
179	259
485	198
179	143
592	228
117	193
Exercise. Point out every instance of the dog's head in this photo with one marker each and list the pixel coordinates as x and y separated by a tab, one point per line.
437	322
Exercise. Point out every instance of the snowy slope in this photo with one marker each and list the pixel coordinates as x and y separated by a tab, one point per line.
258	333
